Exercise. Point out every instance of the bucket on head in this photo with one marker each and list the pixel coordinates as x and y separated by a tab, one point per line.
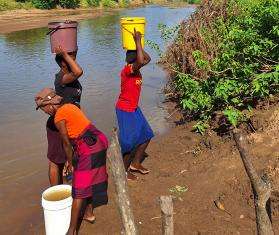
57	203
128	24
63	34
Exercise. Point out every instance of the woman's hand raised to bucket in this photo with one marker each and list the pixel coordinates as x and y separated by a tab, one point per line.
60	51
137	36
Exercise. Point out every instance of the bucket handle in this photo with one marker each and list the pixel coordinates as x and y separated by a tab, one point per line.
128	30
53	30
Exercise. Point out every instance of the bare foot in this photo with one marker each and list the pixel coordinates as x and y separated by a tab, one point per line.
89	215
139	168
91	219
131	176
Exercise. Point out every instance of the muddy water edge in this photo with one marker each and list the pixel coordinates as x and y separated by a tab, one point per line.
26	65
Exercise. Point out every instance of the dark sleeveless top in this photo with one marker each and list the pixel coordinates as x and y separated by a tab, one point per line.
70	92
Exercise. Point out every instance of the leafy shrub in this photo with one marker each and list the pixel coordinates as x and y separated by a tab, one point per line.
224	59
93	3
109	3
69	3
194	1
11	5
44	4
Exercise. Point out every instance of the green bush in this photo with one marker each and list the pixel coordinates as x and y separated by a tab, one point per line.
12	5
224	60
194	1
69	3
109	3
44	4
93	3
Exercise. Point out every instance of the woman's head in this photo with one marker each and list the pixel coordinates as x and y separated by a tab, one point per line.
61	61
48	101
131	56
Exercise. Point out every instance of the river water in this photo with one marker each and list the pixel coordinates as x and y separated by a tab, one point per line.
26	65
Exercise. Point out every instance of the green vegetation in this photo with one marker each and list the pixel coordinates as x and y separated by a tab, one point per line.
193	1
109	3
44	4
224	60
50	4
12	4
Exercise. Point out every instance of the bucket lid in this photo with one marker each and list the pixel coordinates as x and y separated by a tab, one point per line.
63	25
133	20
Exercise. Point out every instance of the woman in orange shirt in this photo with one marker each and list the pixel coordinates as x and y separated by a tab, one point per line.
85	147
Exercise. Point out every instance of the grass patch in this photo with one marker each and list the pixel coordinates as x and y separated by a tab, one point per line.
13	5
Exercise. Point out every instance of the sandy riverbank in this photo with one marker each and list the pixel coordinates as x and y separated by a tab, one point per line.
209	167
17	20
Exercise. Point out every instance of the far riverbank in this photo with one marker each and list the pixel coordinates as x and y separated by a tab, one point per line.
16	20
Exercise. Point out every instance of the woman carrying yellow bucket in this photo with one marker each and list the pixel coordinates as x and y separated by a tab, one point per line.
134	131
128	25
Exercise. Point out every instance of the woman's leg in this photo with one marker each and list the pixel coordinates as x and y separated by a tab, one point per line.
127	158
76	216
55	173
89	215
139	155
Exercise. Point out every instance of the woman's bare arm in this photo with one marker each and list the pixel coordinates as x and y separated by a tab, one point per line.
61	126
76	70
147	58
140	62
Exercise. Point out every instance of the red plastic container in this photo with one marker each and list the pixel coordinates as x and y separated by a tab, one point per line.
63	34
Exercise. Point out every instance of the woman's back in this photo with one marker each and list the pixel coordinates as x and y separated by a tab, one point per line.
75	120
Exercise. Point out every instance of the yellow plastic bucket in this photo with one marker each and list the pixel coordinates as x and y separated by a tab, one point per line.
128	24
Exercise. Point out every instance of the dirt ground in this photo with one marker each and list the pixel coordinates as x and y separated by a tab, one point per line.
210	168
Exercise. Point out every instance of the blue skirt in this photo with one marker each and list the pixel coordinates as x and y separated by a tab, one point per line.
133	129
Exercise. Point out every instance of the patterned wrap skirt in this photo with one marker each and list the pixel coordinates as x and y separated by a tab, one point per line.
90	179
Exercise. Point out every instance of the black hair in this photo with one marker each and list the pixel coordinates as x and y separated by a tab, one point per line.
131	56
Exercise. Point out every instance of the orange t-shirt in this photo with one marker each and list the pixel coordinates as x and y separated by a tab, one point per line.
75	120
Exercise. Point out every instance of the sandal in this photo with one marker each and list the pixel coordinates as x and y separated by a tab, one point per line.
141	170
91	221
130	176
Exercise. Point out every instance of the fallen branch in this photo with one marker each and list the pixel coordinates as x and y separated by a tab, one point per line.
261	188
167	215
119	178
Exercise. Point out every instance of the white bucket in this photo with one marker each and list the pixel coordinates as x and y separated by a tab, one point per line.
57	214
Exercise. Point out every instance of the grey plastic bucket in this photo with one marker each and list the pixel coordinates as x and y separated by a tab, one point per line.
63	34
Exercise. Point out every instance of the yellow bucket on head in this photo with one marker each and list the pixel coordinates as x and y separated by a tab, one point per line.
128	24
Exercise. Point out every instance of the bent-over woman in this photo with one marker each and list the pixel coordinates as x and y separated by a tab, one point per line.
85	147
